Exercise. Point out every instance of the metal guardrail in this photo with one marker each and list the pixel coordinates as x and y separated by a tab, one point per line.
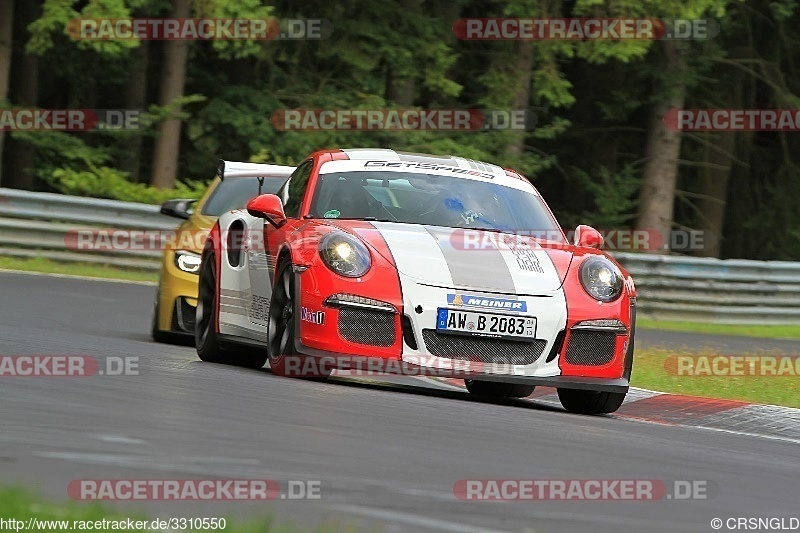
669	287
31	222
730	291
51	206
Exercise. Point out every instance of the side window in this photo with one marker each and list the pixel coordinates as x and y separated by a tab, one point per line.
297	187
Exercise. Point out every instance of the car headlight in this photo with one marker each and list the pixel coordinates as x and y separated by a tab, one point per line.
187	261
601	279
345	254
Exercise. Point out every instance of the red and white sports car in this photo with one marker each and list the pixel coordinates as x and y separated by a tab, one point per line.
423	264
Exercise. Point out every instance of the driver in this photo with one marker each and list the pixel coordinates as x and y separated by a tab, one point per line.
453	208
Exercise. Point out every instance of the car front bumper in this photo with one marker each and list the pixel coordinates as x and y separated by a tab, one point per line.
421	354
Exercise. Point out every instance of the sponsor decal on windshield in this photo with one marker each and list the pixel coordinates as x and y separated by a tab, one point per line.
427	166
466	300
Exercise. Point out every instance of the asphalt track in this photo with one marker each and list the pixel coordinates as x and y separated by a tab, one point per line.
387	455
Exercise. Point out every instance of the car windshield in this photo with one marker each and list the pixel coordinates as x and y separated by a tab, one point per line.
430	199
235	193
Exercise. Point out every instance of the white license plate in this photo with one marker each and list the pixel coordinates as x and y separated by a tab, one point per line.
486	324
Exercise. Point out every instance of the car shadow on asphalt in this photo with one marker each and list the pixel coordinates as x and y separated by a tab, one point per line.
421	388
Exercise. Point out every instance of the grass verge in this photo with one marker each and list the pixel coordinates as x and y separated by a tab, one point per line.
655	369
92	270
21	504
766	332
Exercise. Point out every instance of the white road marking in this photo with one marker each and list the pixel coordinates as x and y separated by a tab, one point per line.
120	439
429	494
413	520
184	464
76	276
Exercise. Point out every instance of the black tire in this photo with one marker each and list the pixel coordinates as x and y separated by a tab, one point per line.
590	402
284	360
497	389
206	339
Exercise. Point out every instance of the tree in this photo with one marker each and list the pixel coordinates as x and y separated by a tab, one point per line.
6	29
672	77
173	80
24	92
135	98
657	196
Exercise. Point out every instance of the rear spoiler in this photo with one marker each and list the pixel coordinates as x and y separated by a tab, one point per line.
237	169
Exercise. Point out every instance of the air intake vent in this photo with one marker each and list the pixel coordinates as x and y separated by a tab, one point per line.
590	348
483	349
365	326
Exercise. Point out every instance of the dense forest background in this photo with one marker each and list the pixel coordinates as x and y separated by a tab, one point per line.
600	153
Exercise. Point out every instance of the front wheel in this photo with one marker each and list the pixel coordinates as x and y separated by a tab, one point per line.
283	356
495	389
590	402
205	335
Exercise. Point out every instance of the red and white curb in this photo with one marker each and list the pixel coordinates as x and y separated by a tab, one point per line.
744	418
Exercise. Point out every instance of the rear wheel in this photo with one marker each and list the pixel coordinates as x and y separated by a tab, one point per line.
590	402
283	356
206	338
496	389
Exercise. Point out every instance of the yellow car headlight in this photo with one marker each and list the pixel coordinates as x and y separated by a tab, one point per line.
187	261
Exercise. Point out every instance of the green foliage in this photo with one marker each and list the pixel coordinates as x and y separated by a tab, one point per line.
18	503
592	99
107	182
71	166
60	17
56	148
174	110
613	195
240	9
408	44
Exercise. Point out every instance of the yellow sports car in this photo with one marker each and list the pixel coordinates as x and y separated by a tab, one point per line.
176	298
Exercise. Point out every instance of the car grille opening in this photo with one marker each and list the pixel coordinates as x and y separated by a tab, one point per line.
483	349
590	348
365	326
408	332
557	345
184	315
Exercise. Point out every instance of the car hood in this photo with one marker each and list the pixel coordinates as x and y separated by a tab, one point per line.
467	259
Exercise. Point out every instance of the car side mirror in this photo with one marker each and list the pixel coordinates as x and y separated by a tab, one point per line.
178	208
588	237
269	207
